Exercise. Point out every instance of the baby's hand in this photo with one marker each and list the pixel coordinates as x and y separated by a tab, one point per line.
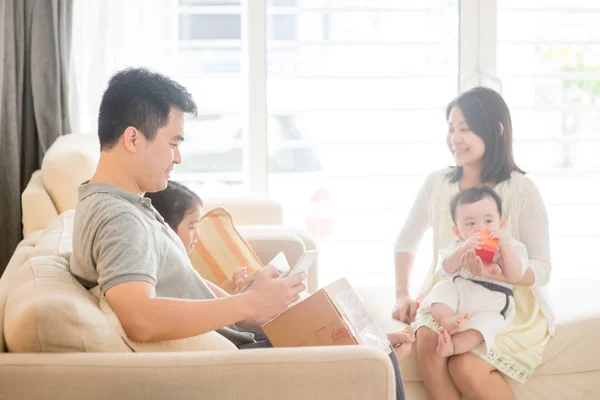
494	269
502	236
473	242
238	280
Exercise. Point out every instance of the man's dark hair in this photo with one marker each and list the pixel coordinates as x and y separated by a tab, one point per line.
174	202
140	98
484	109
474	195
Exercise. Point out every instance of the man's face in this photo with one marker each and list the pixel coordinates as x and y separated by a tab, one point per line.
160	156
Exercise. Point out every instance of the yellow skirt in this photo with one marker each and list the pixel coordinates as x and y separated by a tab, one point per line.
517	350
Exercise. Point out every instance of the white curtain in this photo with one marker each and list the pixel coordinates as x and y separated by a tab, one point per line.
109	35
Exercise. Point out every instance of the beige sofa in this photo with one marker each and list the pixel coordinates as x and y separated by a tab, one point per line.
74	352
571	368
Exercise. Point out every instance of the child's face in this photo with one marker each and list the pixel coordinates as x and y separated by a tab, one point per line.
470	218
187	229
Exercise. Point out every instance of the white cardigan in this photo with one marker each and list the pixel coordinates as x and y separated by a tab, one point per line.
523	210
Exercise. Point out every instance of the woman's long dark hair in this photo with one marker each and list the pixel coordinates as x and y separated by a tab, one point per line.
484	110
174	202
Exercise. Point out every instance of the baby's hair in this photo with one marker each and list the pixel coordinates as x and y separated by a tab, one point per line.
474	195
174	202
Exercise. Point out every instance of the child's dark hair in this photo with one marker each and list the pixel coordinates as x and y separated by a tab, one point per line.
174	202
474	195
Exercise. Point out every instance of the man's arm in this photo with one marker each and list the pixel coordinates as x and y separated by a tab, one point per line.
253	324
147	318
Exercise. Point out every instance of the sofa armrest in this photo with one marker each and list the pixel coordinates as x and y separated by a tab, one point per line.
268	240
344	372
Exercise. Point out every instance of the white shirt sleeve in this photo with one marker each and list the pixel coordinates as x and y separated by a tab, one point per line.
417	221
534	232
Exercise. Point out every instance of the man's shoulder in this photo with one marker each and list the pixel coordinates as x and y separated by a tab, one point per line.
104	207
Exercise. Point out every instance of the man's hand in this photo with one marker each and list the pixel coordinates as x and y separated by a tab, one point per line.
405	309
270	296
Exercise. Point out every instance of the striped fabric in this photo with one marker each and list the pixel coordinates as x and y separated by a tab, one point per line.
221	250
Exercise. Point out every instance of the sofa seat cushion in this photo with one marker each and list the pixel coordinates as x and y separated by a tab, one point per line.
47	310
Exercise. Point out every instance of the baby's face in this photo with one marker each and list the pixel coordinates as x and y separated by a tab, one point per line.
470	218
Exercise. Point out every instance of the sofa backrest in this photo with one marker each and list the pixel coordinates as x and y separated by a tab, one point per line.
52	190
72	159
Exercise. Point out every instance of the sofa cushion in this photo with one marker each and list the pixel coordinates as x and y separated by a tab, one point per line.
221	250
207	341
47	310
70	161
57	238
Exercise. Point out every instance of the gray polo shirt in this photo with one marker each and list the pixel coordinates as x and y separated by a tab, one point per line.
120	237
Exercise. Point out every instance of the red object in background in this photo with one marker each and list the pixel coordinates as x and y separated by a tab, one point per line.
488	248
318	221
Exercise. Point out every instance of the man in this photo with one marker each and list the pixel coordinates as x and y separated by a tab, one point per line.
121	242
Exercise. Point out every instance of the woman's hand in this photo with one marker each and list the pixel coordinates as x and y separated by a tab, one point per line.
405	309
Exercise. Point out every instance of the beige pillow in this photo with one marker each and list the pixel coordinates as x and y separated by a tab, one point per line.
57	238
208	341
47	310
69	162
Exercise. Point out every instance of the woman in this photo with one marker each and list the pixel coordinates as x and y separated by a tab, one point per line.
480	139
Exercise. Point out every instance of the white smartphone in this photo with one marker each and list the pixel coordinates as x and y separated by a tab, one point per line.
306	261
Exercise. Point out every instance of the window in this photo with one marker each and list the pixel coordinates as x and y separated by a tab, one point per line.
549	68
355	99
366	87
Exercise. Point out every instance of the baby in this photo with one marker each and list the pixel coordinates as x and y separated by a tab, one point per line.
477	301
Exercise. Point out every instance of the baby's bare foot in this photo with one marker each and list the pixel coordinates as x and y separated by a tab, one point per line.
445	347
452	324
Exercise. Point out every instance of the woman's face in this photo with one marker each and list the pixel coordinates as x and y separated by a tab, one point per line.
187	230
466	146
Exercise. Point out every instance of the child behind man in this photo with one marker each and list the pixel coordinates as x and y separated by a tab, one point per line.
477	301
181	209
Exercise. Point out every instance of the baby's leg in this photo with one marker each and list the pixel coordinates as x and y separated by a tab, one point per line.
444	315
458	343
466	341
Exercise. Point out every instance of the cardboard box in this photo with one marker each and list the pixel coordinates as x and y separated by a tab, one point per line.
332	316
